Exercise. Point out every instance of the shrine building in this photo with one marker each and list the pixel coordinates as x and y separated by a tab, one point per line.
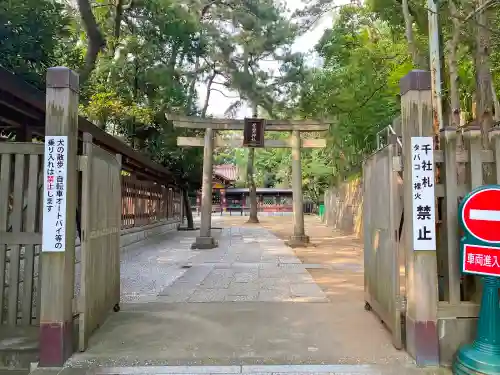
226	198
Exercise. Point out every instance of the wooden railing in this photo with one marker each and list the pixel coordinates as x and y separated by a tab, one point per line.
146	202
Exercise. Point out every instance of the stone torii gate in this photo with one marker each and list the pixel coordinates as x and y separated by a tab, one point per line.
253	136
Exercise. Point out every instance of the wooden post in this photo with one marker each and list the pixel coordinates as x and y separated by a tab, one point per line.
57	280
181	192
472	285
205	239
299	237
223	200
421	283
450	221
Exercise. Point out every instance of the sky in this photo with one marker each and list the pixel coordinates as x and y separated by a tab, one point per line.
219	103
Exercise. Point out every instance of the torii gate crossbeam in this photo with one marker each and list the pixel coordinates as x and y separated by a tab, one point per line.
205	239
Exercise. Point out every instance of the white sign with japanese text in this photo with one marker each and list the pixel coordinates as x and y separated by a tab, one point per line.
54	194
424	219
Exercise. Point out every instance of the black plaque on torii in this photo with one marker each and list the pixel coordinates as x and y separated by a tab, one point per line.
253	133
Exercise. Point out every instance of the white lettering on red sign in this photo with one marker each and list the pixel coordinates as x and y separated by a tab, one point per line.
424	222
481	260
481	215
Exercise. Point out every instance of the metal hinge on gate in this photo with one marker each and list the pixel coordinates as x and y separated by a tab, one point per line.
402	303
397	165
82	162
76	306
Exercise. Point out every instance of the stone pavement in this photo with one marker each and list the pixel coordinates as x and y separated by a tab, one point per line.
248	302
250	264
246	370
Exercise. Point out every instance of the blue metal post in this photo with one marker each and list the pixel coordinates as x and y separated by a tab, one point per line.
483	355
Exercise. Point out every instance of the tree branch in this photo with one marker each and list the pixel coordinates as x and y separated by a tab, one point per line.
480	9
96	41
475	12
207	98
223	94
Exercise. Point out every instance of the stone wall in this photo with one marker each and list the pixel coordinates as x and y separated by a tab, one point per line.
136	234
344	207
132	235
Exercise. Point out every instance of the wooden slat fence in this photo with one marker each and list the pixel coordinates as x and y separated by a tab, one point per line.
143	202
463	164
21	184
463	168
382	259
100	246
146	202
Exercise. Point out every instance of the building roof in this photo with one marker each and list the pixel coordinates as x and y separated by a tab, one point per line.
259	190
226	171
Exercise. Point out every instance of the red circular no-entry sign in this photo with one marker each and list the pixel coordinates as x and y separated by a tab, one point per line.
481	214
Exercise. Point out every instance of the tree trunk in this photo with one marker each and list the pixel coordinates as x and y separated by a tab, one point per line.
452	46
453	66
496	103
483	74
207	96
96	41
417	58
187	209
251	186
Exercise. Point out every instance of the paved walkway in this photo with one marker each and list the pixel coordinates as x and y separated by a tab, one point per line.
250	264
248	302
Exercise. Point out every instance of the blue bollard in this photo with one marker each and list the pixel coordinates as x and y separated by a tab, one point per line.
482	357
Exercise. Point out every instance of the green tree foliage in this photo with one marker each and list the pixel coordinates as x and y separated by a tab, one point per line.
142	59
29	37
357	85
356	88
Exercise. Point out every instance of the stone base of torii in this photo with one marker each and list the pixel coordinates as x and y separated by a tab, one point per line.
205	240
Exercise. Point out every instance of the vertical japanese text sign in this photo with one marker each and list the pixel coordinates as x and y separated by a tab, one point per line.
424	222
253	133
54	193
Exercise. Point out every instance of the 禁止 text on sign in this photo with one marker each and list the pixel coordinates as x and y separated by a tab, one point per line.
54	193
423	196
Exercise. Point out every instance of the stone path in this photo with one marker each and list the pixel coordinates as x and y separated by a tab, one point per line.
248	302
250	264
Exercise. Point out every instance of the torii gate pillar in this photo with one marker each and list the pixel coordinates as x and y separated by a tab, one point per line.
205	239
299	237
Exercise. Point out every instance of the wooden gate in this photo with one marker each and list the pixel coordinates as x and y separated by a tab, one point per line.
101	220
21	180
382	212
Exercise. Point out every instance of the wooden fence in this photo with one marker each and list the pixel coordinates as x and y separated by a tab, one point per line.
146	202
425	290
100	245
107	202
384	265
21	181
461	170
439	304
